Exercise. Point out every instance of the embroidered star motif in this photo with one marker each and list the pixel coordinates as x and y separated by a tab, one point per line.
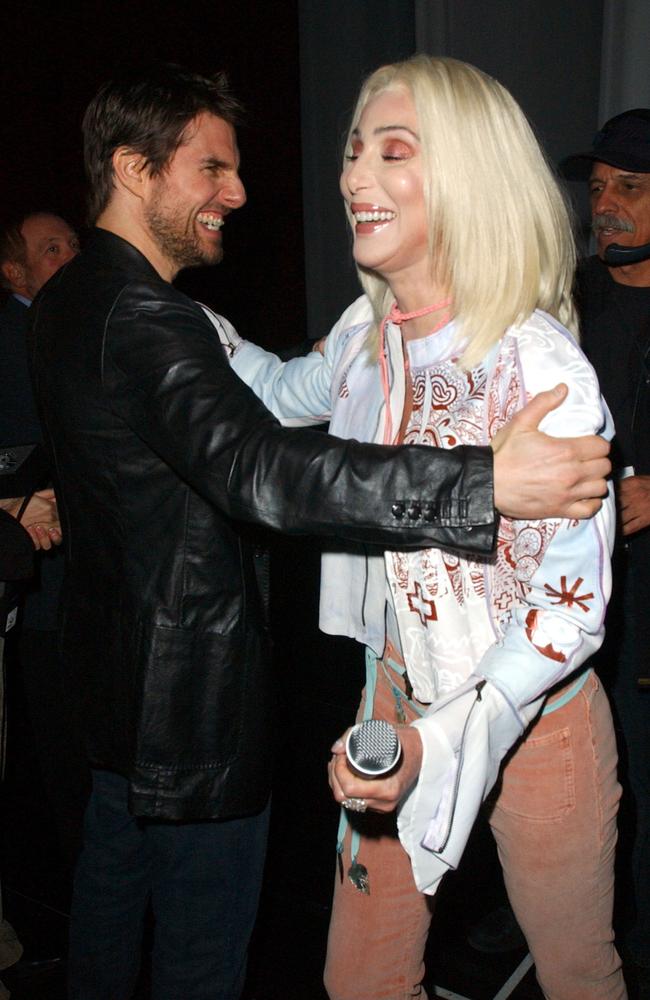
569	597
423	606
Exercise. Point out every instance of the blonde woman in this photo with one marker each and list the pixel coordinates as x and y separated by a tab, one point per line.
464	250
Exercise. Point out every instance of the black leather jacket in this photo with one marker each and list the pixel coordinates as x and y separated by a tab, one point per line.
161	453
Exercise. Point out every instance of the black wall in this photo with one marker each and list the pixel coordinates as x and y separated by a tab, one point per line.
54	58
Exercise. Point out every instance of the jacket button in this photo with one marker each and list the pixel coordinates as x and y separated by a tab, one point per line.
414	511
398	510
429	514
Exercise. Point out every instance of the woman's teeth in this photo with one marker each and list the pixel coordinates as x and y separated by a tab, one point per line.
374	216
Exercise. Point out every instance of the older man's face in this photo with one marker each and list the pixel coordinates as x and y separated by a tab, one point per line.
620	206
49	243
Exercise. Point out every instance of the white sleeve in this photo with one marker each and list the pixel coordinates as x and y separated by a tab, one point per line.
564	584
296	392
299	391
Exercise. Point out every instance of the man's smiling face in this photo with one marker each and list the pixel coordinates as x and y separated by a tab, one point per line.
189	201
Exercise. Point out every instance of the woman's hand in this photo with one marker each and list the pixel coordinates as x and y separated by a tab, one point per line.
380	794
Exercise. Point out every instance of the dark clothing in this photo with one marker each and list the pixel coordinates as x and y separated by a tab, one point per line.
204	880
32	647
160	452
19	424
615	324
16	549
18	417
615	327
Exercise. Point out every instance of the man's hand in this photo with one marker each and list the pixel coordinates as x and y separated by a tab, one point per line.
380	794
40	518
540	476
633	495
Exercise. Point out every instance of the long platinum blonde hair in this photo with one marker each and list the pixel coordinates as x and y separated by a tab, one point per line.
500	232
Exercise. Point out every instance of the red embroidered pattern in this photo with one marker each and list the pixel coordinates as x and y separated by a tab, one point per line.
421	605
569	596
449	407
547	650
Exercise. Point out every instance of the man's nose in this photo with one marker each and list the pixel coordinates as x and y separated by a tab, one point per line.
604	201
233	193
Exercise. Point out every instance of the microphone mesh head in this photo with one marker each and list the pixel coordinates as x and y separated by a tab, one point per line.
373	747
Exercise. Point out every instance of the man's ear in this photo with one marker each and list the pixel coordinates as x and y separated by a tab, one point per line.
130	170
14	274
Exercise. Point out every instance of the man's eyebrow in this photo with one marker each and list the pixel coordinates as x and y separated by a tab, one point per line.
45	242
213	161
625	175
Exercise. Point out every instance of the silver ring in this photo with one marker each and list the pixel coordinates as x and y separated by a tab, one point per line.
355	805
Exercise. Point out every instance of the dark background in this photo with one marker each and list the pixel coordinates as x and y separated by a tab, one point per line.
55	57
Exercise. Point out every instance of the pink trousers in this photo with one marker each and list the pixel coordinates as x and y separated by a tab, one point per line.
554	821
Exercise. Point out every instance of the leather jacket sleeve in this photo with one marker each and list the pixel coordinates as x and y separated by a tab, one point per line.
167	377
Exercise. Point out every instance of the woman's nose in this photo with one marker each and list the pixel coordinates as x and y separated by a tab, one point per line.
356	176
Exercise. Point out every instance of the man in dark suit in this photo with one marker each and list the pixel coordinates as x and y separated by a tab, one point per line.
33	247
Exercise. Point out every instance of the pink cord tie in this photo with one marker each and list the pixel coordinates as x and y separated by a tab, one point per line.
396	316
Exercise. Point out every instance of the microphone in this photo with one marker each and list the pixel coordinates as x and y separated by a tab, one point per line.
373	748
617	255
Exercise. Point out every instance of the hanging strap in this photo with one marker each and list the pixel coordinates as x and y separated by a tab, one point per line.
395	315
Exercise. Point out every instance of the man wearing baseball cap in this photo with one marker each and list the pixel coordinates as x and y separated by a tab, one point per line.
613	293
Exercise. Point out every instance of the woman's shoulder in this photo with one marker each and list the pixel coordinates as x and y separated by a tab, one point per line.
358	315
545	353
541	328
542	340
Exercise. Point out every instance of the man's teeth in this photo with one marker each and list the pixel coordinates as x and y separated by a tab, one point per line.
210	221
374	216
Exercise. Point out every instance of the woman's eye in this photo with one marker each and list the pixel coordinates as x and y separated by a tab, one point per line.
397	151
353	151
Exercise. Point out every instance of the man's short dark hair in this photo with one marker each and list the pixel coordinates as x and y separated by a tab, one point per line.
148	112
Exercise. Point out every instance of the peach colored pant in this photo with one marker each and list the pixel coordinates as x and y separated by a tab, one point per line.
554	820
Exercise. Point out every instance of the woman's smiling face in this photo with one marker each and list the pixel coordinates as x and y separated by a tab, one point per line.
383	186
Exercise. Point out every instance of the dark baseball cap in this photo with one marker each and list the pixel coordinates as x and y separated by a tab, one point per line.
623	141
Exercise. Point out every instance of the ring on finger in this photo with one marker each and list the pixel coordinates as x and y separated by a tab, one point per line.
355	805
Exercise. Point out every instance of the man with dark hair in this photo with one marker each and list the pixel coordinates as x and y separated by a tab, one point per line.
613	297
161	456
149	114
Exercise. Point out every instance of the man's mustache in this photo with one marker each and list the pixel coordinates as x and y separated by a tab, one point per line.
608	221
